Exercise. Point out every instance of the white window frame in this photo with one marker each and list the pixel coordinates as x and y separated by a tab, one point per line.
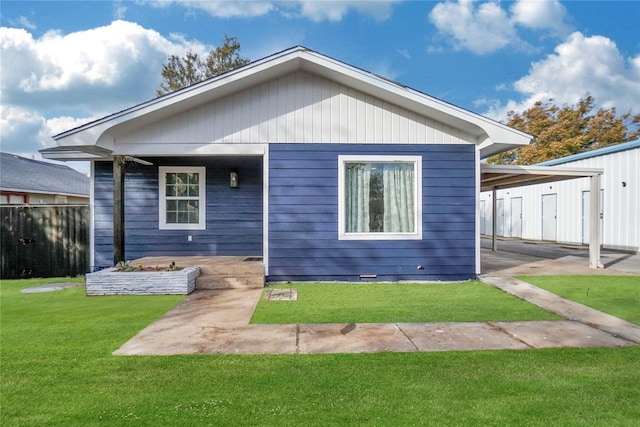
417	176
162	207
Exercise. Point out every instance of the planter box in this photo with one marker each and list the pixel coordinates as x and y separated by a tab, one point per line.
113	282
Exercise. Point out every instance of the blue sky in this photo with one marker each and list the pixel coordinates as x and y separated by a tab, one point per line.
65	63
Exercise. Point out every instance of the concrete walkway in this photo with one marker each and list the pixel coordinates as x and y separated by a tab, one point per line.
217	321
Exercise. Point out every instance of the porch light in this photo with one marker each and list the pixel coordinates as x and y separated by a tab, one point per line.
233	179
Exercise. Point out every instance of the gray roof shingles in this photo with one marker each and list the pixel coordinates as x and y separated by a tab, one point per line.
35	176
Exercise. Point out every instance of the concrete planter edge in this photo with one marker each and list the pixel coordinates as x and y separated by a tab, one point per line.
112	282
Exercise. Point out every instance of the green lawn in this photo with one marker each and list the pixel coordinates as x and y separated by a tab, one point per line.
57	370
402	303
616	295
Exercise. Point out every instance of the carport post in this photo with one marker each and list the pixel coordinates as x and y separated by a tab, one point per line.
594	222
494	220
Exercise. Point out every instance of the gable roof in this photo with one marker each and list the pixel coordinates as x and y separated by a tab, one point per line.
33	176
593	153
94	137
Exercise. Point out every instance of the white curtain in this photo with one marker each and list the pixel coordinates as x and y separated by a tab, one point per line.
358	177
398	198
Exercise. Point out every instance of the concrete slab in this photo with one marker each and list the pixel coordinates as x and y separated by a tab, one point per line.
459	336
253	339
516	256
163	340
563	333
289	294
565	308
352	338
215	307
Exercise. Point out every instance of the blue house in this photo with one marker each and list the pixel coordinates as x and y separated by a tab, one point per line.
327	171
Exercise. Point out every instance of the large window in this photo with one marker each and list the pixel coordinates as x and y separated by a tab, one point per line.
380	197
182	198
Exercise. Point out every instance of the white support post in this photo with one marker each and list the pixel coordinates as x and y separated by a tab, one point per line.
594	222
494	219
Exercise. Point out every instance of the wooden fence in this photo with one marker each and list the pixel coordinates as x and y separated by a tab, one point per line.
44	241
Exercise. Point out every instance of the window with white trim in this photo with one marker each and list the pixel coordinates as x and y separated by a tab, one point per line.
379	197
182	198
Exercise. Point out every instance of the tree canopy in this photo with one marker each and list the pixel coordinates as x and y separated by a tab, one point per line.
563	131
179	72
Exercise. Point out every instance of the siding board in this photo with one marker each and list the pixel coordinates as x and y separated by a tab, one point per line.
303	231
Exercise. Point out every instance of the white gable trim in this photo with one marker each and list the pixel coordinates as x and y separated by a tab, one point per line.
491	136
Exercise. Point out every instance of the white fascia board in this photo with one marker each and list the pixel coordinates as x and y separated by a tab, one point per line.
541	170
76	153
181	150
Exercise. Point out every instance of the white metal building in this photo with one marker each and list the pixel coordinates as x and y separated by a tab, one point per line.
559	211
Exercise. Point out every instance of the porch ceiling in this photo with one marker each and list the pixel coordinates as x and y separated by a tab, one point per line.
495	177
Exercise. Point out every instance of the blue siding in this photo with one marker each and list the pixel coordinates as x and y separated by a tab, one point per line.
234	216
303	217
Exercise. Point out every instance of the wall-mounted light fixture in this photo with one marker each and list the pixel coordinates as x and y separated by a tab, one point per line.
233	179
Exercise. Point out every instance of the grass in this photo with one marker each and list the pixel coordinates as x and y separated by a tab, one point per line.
616	295
57	370
402	303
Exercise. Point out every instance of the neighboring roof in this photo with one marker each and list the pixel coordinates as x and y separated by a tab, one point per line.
492	137
34	176
593	153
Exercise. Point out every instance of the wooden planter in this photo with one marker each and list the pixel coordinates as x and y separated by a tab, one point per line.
114	282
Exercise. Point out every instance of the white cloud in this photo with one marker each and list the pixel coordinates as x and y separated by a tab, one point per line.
579	66
541	15
332	10
18	127
61	124
229	9
88	74
23	22
486	27
119	10
315	10
103	56
404	53
482	28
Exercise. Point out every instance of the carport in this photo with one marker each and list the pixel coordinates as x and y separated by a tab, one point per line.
498	177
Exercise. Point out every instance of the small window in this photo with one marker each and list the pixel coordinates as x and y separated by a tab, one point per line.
380	197
182	198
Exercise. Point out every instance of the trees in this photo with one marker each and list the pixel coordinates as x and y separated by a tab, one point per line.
566	130
180	72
